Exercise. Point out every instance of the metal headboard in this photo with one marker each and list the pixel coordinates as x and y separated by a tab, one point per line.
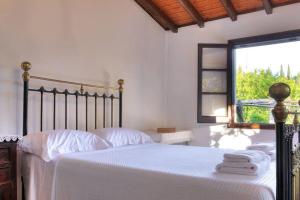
26	66
288	154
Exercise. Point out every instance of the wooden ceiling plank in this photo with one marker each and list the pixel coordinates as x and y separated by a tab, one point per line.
227	4
188	6
157	14
268	6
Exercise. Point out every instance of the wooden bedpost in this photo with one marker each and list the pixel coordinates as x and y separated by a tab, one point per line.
121	83
26	66
279	92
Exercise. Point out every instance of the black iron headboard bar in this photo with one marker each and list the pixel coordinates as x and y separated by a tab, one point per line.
66	109
112	110
54	108
96	110
280	93
42	108
26	66
104	110
287	158
70	93
290	160
86	111
121	83
76	114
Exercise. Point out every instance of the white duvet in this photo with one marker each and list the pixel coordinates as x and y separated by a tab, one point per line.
154	172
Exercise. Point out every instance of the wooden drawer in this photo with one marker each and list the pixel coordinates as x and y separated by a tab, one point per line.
6	192
4	155
5	175
8	185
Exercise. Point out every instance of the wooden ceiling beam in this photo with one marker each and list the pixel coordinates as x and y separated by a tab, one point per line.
157	14
268	6
188	6
227	4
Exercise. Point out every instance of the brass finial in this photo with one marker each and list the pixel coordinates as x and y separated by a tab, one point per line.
81	89
26	66
279	92
121	83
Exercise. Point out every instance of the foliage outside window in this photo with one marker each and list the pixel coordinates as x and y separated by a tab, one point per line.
253	80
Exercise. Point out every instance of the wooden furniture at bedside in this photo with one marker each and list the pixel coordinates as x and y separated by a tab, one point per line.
178	137
166	130
8	170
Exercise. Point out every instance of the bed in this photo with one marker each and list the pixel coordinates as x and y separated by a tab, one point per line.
153	171
148	171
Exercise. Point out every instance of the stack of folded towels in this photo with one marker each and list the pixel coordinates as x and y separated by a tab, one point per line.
245	162
267	148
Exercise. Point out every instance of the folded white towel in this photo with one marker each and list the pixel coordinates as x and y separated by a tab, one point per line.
245	168
262	147
245	156
246	165
268	148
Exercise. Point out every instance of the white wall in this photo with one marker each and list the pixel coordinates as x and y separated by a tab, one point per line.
100	41
181	68
97	41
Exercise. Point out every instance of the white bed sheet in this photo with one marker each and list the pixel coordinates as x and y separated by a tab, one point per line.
155	172
38	177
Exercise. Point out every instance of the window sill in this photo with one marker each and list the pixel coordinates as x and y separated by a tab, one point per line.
252	126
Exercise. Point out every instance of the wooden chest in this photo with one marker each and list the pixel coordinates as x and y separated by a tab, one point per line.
8	159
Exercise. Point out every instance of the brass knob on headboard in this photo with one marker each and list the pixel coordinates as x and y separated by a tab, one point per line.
279	92
26	66
121	83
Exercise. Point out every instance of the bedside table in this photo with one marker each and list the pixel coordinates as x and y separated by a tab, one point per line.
178	137
8	169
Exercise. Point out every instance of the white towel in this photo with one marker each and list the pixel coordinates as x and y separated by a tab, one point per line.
262	147
245	168
268	148
245	156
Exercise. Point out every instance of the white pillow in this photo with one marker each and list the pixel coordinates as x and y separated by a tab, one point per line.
123	136
48	145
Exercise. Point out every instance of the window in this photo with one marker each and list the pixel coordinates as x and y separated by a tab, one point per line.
256	69
253	65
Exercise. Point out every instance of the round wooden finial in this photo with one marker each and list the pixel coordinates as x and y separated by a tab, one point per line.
121	83
26	66
280	91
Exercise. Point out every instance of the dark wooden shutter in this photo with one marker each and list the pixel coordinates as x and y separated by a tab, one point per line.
212	83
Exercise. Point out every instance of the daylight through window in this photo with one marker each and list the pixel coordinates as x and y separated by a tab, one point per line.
256	69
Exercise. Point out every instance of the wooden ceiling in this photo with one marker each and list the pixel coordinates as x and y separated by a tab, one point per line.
173	14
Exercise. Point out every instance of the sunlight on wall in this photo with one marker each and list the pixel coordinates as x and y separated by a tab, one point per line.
222	137
220	111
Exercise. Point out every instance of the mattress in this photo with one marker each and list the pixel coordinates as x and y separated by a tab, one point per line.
154	172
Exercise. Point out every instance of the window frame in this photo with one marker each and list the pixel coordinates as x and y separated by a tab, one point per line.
260	40
200	117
